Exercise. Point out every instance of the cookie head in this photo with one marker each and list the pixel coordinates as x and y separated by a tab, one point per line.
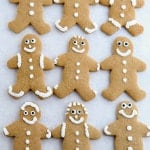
30	113
78	45
31	44
127	110
76	113
122	47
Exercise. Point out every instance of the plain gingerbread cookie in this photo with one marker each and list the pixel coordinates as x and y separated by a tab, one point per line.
76	12
75	131
122	13
123	69
26	131
128	131
30	64
30	12
76	67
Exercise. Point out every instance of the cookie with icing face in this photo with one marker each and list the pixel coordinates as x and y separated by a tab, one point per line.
30	12
122	14
76	12
27	131
30	64
75	131
128	131
77	65
123	67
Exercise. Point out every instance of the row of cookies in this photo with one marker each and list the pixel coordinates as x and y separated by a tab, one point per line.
76	64
75	131
122	13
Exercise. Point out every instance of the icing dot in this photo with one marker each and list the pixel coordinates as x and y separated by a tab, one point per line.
31	67
31	4
27	141
130	138
28	132
31	12
77	71
124	70
77	148
77	133
30	59
125	80
78	63
130	148
123	7
76	14
77	77
122	15
76	5
129	128
31	76
124	62
77	141
27	148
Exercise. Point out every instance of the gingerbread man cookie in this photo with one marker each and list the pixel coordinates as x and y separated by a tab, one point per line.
75	132
122	13
30	64
77	66
123	68
30	12
128	131
26	131
76	12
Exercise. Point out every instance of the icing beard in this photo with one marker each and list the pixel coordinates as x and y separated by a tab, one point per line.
30	121
79	121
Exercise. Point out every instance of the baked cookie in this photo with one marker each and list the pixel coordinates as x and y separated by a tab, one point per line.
122	13
30	64
30	12
76	12
123	68
75	131
77	65
128	131
26	131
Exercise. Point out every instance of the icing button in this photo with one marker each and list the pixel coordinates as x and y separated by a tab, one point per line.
28	132
27	141
77	71
31	76
130	138
129	128
31	12
124	62
125	80
76	5
30	59
31	4
130	148
77	77
77	141
77	133
123	7
27	148
78	63
122	15
31	67
77	148
76	14
124	70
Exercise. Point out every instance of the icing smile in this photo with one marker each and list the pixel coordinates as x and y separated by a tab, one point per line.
78	51
29	50
30	121
76	121
123	54
122	112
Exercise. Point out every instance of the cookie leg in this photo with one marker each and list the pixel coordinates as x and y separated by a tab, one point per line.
136	93
134	28
86	92
40	26
19	24
63	89
65	23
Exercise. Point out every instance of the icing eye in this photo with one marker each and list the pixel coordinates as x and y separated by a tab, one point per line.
126	44
27	41
75	42
119	43
129	105
32	113
73	111
82	43
25	113
123	105
33	41
79	112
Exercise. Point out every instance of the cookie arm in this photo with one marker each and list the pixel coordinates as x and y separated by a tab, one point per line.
48	63
140	65
13	63
143	129
61	60
47	2
105	2
56	133
94	133
139	3
14	1
107	64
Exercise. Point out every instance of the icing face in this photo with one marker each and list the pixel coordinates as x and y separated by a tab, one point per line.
78	45
123	47
31	43
127	110
29	113
76	113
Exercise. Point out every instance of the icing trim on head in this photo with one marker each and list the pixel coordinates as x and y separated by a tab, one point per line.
123	54
30	121
30	104
29	50
134	113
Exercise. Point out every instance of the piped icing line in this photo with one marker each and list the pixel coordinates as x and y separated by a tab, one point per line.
42	61
48	135
20	94
131	23
98	67
88	30
115	23
134	113
63	130
6	132
123	54
56	60
19	60
63	29
30	121
86	130
106	131
111	2
76	121
133	2
46	94
30	104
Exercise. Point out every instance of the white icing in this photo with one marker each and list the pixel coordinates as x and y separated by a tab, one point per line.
133	2
31	105
78	51
74	104
123	54
27	148
77	141
122	15
31	4
78	63
27	141
42	61
19	94
106	131
57	1
31	13
31	67
130	148
88	30
76	14
6	132
77	133
123	7
76	116
44	94
29	50
148	134
96	1
86	130
70	105
124	70
63	29
76	121
78	71
98	67
30	121
76	5
111	2
129	128
77	77
19	60
28	133
63	130
124	62
56	87
31	76
131	23
130	138
30	60
48	135
115	23
56	60
125	80
122	112
77	148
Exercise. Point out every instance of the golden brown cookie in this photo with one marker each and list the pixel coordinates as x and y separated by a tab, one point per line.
122	14
26	131
77	65
76	12
123	68
128	131
30	12
75	131
30	64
